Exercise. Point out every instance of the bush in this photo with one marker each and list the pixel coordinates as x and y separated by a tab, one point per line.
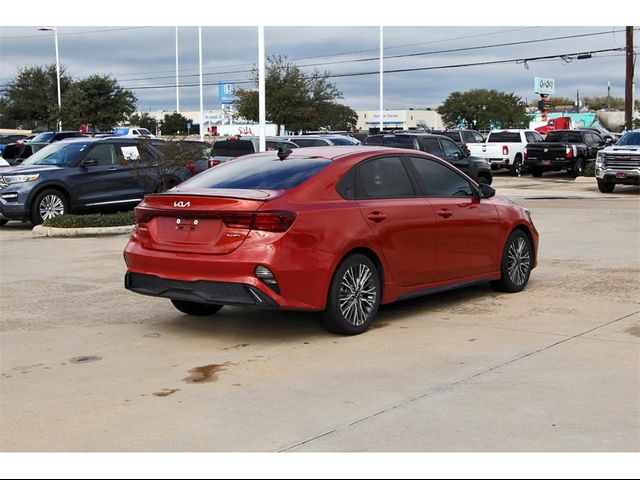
91	220
590	169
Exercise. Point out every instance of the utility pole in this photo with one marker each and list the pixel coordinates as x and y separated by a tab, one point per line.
628	87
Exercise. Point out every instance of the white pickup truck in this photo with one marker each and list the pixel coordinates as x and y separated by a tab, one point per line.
504	148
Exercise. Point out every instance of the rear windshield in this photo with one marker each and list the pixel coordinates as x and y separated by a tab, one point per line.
343	141
629	138
504	137
43	137
269	173
570	137
455	136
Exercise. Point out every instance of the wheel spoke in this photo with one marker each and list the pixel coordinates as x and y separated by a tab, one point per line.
357	296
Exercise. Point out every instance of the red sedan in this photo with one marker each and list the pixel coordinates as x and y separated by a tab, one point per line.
338	230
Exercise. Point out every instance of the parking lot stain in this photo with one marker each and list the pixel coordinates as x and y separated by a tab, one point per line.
27	368
165	392
85	359
206	374
379	325
635	331
235	347
152	335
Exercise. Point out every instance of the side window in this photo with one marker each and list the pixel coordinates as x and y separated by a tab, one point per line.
478	138
467	137
538	137
449	148
304	142
431	145
103	154
383	178
440	181
399	142
347	185
373	140
531	137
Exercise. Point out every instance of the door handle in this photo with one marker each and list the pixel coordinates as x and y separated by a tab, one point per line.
445	213
376	216
112	169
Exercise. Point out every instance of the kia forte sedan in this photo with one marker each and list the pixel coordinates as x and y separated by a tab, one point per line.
338	230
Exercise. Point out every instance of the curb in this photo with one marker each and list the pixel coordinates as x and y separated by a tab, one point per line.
41	231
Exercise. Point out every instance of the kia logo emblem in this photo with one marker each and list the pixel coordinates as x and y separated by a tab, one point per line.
182	204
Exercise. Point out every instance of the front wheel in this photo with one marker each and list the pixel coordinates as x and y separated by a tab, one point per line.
196	309
517	261
47	205
354	296
605	187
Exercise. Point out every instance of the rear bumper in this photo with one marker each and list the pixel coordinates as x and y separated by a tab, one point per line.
549	164
201	291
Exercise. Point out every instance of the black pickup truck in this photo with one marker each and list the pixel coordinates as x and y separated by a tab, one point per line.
563	150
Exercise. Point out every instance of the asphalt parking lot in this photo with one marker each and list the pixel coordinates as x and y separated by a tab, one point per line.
87	366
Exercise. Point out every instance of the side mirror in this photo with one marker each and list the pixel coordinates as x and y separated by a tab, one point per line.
486	191
455	156
89	162
608	141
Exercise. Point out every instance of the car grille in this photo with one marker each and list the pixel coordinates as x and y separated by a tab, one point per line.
622	162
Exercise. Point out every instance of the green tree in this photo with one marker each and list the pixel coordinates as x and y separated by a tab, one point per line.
144	120
484	109
99	101
554	102
294	99
31	98
175	124
334	116
598	103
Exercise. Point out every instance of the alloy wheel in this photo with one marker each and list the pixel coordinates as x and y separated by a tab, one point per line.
51	206
519	261
357	295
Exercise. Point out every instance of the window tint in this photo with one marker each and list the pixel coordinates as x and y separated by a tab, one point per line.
43	137
449	148
103	154
531	138
309	142
399	142
629	138
440	181
478	138
373	140
431	145
239	147
342	141
557	137
575	137
504	137
347	185
455	136
383	178
467	137
221	148
252	172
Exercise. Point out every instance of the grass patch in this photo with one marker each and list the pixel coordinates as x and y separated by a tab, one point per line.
590	169
92	220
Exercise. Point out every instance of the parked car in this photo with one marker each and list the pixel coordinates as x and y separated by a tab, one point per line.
619	164
83	175
4	163
563	150
16	152
505	148
463	137
325	229
603	132
132	132
53	136
236	146
7	139
440	146
322	140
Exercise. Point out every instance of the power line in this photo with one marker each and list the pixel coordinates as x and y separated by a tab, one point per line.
433	52
90	32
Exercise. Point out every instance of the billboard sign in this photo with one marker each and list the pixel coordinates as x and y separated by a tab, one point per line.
226	93
545	86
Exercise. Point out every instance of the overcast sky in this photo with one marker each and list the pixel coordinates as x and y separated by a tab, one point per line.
145	57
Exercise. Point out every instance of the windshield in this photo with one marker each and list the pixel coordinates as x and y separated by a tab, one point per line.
61	154
259	172
629	138
43	137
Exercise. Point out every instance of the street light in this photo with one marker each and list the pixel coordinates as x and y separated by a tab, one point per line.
55	35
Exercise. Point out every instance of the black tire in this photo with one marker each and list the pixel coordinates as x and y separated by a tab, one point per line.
3	221
359	304
485	178
578	168
605	187
196	309
515	170
48	204
517	260
537	171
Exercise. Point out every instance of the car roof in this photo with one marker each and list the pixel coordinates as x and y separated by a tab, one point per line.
336	152
111	139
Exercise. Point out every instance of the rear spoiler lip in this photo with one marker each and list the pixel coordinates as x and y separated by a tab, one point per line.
242	194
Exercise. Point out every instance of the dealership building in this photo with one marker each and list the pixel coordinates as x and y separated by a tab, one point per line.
410	119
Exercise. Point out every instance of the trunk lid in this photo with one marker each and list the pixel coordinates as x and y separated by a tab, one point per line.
205	221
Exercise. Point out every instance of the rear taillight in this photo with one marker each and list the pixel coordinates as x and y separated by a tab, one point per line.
143	215
191	167
505	150
266	221
568	153
213	163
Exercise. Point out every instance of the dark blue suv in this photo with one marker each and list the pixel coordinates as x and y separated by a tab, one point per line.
84	175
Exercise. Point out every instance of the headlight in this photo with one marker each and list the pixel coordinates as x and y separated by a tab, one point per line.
9	179
599	159
527	212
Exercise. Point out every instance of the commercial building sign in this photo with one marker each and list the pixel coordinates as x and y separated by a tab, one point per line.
544	86
226	93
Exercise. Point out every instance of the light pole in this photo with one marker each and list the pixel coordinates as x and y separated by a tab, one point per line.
177	77
55	36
